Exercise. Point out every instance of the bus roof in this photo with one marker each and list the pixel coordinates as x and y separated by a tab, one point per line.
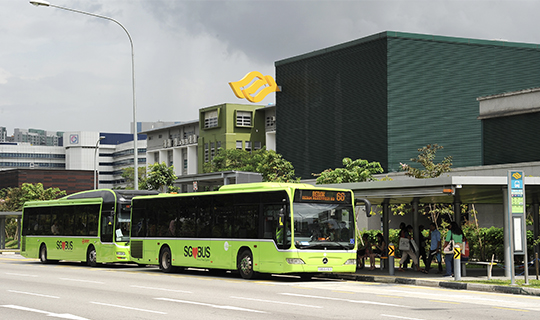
90	196
269	185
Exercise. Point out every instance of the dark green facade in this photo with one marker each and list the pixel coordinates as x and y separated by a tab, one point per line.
382	97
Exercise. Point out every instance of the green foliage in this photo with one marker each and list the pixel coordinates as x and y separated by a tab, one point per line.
13	199
160	177
425	159
268	163
354	171
127	175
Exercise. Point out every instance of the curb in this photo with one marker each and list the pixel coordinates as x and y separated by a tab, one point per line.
436	283
9	252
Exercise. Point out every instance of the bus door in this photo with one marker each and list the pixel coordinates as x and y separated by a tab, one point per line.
107	225
276	225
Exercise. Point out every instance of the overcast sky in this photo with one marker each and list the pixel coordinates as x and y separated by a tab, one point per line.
62	71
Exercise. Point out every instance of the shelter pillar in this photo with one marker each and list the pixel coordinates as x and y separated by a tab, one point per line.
506	228
2	232
416	232
386	220
457	208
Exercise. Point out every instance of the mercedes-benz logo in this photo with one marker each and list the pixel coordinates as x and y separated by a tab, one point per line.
325	260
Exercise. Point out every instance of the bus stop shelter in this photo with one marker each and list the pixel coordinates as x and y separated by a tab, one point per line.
455	190
3	217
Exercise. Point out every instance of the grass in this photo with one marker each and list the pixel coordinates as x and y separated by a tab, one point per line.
519	283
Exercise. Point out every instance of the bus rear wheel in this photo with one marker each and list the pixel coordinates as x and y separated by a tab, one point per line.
165	260
91	257
245	265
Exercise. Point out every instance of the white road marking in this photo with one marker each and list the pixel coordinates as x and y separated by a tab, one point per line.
82	280
347	300
48	314
279	302
399	317
161	289
34	294
211	305
22	275
129	308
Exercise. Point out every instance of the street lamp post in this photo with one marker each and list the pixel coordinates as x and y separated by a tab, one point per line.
95	161
135	142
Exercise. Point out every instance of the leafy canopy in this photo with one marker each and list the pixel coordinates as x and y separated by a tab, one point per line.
14	198
160	177
358	170
425	159
268	163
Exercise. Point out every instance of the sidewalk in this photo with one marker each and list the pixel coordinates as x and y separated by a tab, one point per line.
433	279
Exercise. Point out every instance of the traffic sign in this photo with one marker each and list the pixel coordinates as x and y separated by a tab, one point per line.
391	251
457	252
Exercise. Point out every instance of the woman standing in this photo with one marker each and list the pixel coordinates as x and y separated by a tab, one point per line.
454	234
409	252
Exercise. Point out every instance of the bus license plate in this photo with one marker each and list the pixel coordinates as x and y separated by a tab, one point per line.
325	269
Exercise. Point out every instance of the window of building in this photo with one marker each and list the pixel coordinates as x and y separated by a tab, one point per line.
270	121
257	145
248	146
239	144
206	152
243	118
211	119
212	150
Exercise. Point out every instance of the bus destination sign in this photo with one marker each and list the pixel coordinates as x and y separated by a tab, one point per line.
322	196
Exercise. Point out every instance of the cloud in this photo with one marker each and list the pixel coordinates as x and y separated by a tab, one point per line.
61	70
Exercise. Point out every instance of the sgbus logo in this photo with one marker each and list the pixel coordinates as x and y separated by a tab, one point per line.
64	245
197	252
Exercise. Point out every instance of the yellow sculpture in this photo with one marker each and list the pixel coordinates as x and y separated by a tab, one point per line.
263	81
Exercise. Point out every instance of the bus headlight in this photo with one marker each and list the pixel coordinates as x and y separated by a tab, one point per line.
351	261
120	253
295	261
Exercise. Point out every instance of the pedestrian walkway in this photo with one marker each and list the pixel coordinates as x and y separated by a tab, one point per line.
433	279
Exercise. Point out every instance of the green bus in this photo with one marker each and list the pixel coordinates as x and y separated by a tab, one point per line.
90	226
279	228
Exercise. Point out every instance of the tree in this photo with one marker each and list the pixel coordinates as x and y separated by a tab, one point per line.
160	177
268	163
355	171
13	199
425	158
127	175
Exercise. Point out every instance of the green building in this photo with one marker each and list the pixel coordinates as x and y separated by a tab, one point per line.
229	126
382	97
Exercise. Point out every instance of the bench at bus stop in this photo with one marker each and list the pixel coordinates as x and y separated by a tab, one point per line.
489	265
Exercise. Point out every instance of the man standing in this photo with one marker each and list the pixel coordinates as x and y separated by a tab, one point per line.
435	247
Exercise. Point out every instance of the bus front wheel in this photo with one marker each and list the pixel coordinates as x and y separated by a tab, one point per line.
43	254
165	260
91	257
245	265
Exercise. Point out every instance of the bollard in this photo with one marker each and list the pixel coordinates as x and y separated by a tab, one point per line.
457	263
391	254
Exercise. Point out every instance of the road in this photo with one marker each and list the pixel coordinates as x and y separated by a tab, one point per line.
30	290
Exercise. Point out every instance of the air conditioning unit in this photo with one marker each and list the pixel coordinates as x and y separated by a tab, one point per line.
169	143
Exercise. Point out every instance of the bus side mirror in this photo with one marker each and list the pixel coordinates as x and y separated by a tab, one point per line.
367	205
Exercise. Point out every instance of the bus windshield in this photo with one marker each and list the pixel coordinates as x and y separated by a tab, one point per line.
322	225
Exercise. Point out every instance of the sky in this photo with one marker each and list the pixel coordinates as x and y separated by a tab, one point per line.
66	71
